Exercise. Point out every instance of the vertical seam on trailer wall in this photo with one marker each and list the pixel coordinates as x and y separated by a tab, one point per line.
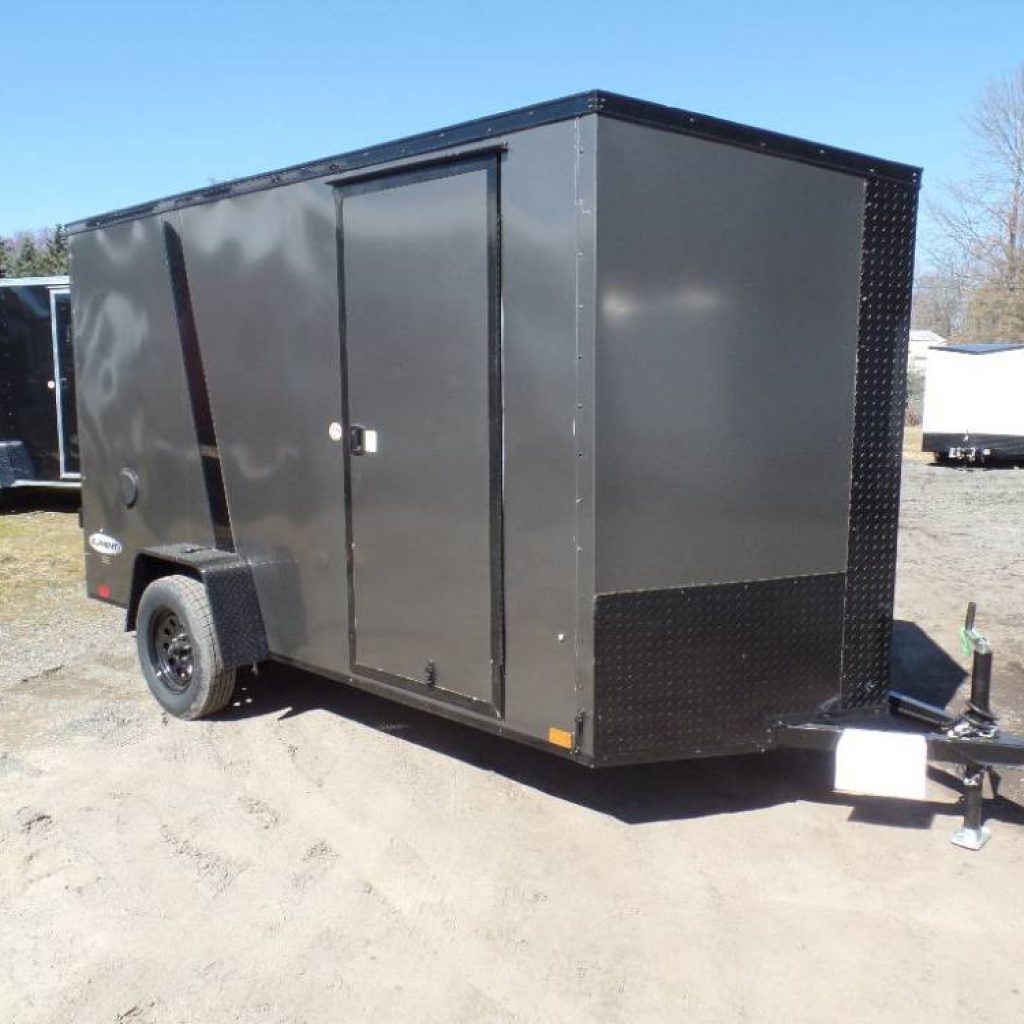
346	426
198	390
496	430
887	265
576	417
585	145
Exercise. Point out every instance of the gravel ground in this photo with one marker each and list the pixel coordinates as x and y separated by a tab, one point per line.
317	854
44	621
961	539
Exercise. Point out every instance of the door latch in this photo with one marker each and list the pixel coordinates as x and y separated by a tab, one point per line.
362	440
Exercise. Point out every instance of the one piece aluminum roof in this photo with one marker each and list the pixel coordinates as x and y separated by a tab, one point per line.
595	102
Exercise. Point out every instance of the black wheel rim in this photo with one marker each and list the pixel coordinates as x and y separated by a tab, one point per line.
170	647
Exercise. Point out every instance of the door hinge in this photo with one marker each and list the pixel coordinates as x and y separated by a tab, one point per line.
430	672
577	736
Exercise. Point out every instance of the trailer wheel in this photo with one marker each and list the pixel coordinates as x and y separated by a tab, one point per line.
178	648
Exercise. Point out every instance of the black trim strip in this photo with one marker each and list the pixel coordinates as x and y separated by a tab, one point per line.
606	103
198	393
490	163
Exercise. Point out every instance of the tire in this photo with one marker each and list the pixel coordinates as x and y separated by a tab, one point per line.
178	649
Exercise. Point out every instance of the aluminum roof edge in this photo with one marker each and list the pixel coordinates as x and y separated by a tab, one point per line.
577	105
758	139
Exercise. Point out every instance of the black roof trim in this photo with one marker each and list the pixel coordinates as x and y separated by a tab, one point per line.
608	104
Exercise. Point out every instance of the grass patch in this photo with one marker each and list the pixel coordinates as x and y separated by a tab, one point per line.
39	551
912	444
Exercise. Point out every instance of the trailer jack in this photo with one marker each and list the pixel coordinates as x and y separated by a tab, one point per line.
971	740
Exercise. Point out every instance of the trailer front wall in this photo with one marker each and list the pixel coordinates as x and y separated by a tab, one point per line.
728	293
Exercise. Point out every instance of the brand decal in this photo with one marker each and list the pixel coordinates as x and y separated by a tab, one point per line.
105	545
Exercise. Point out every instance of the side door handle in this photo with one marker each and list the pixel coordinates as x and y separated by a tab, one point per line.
362	440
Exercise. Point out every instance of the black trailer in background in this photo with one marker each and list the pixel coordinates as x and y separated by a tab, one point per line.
38	415
580	424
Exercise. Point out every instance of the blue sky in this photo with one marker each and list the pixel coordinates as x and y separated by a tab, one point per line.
110	103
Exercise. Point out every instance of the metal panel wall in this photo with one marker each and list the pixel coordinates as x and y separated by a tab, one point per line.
132	405
547	256
263	276
726	355
728	295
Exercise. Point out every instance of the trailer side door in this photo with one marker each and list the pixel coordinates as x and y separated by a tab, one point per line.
422	427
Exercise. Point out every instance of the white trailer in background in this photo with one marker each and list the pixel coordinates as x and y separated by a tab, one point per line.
974	401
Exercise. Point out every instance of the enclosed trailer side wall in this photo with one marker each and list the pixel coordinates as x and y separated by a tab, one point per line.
261	275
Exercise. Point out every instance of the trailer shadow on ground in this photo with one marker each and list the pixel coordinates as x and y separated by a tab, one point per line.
921	668
19	500
638	794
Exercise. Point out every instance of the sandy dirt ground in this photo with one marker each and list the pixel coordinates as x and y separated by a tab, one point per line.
315	854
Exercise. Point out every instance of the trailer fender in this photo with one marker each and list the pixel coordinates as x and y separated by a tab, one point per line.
229	583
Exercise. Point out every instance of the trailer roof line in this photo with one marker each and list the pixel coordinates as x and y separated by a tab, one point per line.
580	104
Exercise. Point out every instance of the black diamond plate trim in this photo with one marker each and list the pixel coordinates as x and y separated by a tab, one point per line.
887	270
701	670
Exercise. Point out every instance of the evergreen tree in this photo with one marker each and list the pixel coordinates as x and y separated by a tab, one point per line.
56	251
26	257
35	254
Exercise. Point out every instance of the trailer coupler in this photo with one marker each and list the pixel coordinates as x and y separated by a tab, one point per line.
972	740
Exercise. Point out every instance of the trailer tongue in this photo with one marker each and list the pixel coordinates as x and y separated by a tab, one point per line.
972	739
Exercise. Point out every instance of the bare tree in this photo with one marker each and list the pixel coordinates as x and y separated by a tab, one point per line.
982	218
941	295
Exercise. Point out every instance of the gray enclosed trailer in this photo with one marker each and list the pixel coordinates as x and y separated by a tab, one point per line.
580	424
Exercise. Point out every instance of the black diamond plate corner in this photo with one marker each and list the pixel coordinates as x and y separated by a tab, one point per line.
887	270
702	670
